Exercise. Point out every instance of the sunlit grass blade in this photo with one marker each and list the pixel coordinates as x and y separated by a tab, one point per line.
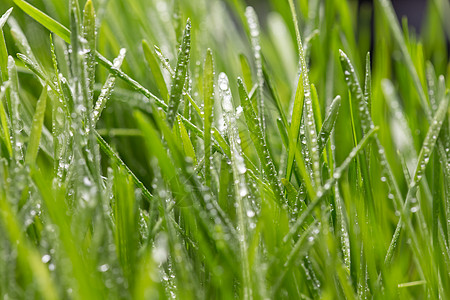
44	19
310	122
180	75
187	144
246	71
4	50
5	17
89	44
5	121
254	30
208	90
329	123
238	169
316	107
294	131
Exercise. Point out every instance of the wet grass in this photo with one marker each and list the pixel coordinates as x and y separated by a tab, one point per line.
200	150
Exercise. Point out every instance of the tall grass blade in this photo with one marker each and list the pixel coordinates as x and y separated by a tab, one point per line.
309	120
294	132
208	90
180	75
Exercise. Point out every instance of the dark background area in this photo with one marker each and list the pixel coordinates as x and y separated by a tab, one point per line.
414	10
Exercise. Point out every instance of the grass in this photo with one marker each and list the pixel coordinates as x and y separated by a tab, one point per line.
202	149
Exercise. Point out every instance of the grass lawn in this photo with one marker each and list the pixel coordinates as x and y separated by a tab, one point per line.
206	149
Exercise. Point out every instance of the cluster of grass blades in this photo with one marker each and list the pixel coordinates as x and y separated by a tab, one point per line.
223	153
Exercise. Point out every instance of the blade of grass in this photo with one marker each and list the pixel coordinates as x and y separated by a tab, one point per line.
239	169
329	123
5	121
187	144
309	121
5	17
89	44
155	70
36	129
3	50
44	19
253	25
208	90
297	113
179	78
107	88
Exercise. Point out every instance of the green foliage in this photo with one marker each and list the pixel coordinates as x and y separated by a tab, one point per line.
321	174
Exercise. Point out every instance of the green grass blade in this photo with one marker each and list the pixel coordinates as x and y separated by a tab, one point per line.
297	114
126	229
36	69
3	49
180	75
351	78
246	71
253	25
316	107
187	144
5	17
368	82
107	88
89	44
239	169
3	52
165	62
36	129
5	121
208	90
329	123
44	20
155	70
310	122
